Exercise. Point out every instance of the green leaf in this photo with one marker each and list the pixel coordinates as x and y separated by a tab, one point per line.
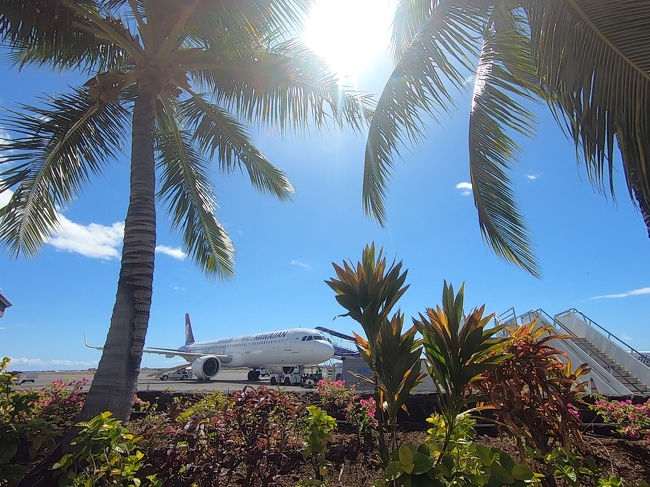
522	472
405	455
485	454
422	463
393	471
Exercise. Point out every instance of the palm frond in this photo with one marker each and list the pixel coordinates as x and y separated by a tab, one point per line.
410	15
191	203
439	56
259	17
496	112
53	33
217	132
56	151
594	58
287	87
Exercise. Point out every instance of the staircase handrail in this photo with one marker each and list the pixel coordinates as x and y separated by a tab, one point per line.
551	318
595	366
643	358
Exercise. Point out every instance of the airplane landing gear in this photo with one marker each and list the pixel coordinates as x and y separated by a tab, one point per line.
253	375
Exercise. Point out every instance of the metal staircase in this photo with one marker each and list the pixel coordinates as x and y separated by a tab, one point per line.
616	367
610	365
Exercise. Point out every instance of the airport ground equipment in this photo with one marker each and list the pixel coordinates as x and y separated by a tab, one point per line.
617	368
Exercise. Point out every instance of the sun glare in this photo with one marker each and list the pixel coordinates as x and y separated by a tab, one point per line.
350	35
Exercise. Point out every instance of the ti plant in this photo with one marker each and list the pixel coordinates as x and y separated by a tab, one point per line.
369	291
459	349
534	390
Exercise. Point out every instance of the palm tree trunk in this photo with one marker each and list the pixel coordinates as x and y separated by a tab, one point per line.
115	382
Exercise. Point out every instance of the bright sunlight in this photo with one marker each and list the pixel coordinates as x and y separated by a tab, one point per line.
349	34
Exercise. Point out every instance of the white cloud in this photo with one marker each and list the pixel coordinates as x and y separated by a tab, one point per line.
40	364
633	292
532	177
174	252
179	288
93	240
300	264
627	337
3	328
465	188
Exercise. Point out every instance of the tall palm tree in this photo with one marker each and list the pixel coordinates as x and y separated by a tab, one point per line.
189	74
588	59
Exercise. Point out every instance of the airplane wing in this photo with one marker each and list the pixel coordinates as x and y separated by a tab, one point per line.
172	352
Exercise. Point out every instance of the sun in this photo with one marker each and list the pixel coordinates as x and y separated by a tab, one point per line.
350	35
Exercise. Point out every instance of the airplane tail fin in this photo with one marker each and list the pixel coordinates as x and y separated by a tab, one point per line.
189	336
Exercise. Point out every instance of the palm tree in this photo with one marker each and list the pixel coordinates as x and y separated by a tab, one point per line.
190	75
588	59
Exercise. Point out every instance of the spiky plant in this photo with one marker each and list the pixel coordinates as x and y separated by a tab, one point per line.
369	291
459	349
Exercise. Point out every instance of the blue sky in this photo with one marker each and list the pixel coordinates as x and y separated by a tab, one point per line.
592	251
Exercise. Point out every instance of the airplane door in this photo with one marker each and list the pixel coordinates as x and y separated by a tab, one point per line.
287	344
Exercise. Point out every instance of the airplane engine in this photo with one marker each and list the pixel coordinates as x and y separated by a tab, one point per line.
206	367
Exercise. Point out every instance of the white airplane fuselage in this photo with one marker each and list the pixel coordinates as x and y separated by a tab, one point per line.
283	348
295	346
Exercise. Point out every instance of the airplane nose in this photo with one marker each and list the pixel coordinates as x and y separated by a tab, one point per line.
327	350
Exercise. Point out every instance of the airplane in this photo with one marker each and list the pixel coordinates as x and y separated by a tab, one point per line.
290	348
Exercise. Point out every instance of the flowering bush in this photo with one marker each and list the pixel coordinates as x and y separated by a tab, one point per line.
631	420
346	402
61	401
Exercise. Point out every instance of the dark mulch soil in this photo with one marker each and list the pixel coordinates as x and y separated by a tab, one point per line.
354	463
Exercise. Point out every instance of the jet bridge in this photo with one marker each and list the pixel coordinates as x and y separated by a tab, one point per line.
344	346
616	367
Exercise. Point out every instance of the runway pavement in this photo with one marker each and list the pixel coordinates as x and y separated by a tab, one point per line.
227	381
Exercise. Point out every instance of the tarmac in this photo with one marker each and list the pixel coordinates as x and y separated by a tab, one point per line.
227	381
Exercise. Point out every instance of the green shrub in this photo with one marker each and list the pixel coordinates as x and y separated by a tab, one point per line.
317	426
454	459
23	434
631	420
104	454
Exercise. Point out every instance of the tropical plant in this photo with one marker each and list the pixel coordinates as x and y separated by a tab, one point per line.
345	402
369	292
459	461
588	59
104	453
532	390
317	426
458	349
631	420
190	75
247	440
24	435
